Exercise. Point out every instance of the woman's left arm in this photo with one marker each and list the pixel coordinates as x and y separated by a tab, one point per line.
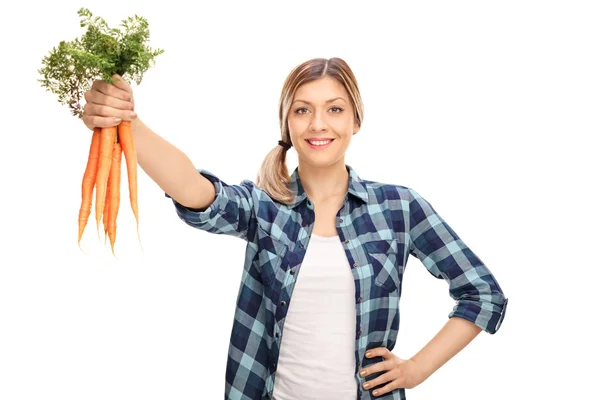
450	340
479	298
400	373
480	302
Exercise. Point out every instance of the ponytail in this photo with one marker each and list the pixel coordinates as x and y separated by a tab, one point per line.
273	176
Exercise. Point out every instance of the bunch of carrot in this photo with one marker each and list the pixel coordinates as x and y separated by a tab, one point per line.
103	173
69	70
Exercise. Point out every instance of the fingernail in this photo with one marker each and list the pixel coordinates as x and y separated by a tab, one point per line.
118	120
133	114
368	354
375	393
363	373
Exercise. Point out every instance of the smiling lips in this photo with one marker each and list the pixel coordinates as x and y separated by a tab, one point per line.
319	144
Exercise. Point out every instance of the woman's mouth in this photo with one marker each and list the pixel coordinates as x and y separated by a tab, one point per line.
319	144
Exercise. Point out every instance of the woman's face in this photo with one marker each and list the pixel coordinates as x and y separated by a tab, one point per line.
321	110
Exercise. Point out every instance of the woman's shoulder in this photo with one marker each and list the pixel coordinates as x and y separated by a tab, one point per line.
386	190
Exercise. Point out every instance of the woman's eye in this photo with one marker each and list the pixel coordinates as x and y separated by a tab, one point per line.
332	108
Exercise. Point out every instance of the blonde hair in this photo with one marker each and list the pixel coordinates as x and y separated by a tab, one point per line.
273	176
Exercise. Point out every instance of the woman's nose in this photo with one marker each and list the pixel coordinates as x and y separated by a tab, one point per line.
317	123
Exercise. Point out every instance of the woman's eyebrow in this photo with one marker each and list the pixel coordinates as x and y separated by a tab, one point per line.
328	101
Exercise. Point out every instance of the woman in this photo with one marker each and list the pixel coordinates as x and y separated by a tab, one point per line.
318	321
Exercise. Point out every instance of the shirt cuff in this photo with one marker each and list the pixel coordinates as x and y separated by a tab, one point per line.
487	316
217	204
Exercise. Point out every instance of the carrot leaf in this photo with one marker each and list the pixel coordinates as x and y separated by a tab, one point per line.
71	67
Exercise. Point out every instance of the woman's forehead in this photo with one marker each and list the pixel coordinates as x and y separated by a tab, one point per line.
321	91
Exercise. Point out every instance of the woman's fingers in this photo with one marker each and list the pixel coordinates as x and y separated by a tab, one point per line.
101	99
108	104
112	90
120	83
108	111
95	121
98	115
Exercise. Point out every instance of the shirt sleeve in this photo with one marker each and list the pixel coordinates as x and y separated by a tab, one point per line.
479	296
230	213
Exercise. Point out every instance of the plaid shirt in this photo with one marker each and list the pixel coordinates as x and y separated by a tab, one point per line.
379	225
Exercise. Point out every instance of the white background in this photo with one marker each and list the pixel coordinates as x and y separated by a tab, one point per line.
487	109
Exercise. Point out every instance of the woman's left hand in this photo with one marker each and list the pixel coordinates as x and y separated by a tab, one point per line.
400	373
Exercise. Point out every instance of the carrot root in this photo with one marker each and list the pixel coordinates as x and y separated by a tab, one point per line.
125	133
106	212
107	139
114	185
103	175
88	182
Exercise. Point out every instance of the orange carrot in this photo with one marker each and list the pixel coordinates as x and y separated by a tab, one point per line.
114	186
107	139
105	214
128	146
88	182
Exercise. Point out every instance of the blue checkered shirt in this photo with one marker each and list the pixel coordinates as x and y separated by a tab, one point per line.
379	225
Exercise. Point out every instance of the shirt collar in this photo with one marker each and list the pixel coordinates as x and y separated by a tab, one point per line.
356	187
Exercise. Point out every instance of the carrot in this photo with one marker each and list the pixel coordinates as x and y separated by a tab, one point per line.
107	139
128	146
87	184
114	186
105	214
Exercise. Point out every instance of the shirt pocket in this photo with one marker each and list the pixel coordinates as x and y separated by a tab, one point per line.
382	255
271	253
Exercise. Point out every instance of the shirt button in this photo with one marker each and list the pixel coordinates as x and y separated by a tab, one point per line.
301	246
355	265
347	241
360	299
277	334
340	220
292	272
283	304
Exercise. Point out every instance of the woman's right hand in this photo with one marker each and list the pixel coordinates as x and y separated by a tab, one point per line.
107	104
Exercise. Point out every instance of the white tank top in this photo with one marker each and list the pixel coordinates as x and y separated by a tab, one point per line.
316	359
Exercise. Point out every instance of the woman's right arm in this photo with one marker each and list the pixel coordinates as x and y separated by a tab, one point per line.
171	169
164	163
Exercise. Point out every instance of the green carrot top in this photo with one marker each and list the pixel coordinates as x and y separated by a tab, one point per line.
70	68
